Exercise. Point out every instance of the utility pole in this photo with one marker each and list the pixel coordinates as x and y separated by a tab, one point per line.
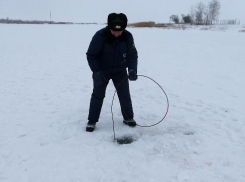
50	16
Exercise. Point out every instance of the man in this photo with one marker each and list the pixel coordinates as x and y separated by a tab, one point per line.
110	53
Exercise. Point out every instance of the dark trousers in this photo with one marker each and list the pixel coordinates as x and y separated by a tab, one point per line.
121	83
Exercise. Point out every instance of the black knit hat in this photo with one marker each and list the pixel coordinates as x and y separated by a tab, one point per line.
117	22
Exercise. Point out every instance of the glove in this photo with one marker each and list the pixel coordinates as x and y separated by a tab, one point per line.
132	76
99	78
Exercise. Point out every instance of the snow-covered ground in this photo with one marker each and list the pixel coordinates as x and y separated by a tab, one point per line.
45	89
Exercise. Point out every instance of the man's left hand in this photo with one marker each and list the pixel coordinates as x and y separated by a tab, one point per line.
132	76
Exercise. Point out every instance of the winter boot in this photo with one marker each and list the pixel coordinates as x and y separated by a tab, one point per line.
130	122
90	126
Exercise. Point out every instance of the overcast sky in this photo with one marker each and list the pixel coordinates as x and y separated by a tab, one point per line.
97	10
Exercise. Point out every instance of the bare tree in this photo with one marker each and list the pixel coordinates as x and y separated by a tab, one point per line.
193	15
211	12
207	15
199	13
214	10
202	14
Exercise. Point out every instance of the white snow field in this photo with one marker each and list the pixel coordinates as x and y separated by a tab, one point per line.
45	89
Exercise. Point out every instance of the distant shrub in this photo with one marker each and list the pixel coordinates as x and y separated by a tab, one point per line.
174	18
186	19
143	24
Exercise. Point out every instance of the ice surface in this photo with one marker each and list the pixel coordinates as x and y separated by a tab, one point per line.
45	89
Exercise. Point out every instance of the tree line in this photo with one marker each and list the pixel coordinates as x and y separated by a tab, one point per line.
200	14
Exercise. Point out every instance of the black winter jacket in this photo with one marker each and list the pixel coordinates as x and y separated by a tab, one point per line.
109	54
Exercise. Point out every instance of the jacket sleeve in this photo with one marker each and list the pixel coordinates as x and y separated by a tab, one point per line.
94	51
132	54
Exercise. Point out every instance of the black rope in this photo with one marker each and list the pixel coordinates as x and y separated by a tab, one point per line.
125	112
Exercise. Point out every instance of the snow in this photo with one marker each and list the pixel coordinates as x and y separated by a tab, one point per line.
45	89
97	10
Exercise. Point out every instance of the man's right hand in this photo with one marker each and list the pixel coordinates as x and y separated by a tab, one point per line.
99	78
